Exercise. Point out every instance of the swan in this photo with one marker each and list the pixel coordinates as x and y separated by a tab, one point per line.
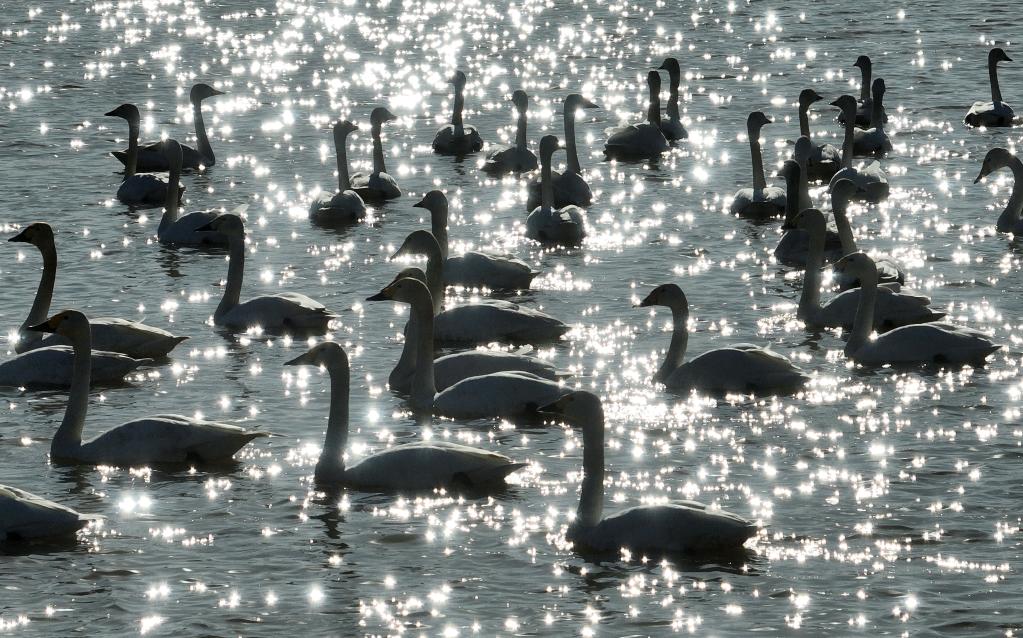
672	528
184	231
871	182
499	394
570	189
135	339
378	186
473	269
138	189
793	247
824	160
24	516
52	367
891	308
517	158
672	126
346	205
152	158
741	368
457	138
996	112
873	141
279	313
888	270
1010	220
643	140
761	200
927	343
412	466
866	104
547	223
162	439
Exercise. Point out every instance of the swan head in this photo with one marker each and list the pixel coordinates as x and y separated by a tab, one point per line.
128	112
343	128
995	159
574	102
842	192
671	66
172	151
520	100
877	88
847	104
579	408
38	234
66	323
458	79
328	354
811	220
808	97
201	92
548	144
412	272
380	114
756	121
407	290
858	265
227	224
669	296
789	170
862	62
803	150
997	55
434	201
653	80
418	242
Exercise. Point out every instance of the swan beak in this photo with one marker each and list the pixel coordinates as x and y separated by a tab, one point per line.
1007	58
215	92
590	105
646	303
50	325
20	237
836	104
112	113
983	173
300	360
380	296
420	204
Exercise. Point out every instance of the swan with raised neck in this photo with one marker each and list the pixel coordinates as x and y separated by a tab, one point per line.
516	158
138	189
671	125
378	185
546	223
871	182
996	112
570	188
644	140
345	205
761	200
996	159
824	160
457	138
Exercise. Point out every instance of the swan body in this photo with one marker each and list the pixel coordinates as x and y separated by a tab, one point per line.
26	517
546	224
457	138
185	230
824	160
888	270
517	158
138	189
871	181
873	141
865	106
762	200
570	188
1011	219
52	367
685	527
345	206
794	245
671	126
996	112
643	140
377	186
741	368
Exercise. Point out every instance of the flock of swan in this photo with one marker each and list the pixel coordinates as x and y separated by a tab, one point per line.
886	323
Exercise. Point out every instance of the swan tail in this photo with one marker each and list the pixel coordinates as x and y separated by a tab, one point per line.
492	475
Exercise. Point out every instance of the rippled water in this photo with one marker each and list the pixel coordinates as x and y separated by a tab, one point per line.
888	500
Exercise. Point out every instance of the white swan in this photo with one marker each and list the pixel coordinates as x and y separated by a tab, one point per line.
516	158
1010	220
346	205
184	231
673	528
927	343
871	182
500	394
138	189
874	141
824	160
378	186
644	140
891	308
152	158
457	138
132	338
794	245
413	466
996	112
548	224
162	439
888	270
27	517
741	368
761	200
53	367
866	105
671	125
570	188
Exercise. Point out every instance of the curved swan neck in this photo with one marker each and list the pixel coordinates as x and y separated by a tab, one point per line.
673	96
591	498
803	183
804	120
378	150
235	273
546	183
850	133
810	297
44	295
759	181
170	206
992	72
791	200
421	318
337	422
864	322
877	112
865	79
456	112
202	141
845	234
679	342
341	152
653	112
1014	207
68	438
439	228
131	166
570	147
520	131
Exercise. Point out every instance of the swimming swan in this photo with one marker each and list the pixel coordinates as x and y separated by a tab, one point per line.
457	138
138	189
53	367
346	205
888	270
672	528
644	140
741	368
871	182
927	343
378	186
762	200
547	224
284	312
517	158
570	188
412	466
26	517
874	141
671	125
996	112
135	339
184	231
152	158
794	245
161	439
865	106
997	158
824	160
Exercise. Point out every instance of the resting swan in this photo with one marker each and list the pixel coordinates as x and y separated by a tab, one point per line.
871	182
135	339
672	126
874	141
644	140
888	270
346	205
928	343
996	112
378	186
997	158
152	158
53	366
673	528
162	439
138	189
27	517
793	247
570	189
741	368
473	269
284	312
824	160
184	231
547	223
457	138
866	105
762	200
499	394
412	466
517	158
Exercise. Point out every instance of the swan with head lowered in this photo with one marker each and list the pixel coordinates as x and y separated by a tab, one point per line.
871	181
920	344
412	466
138	189
473	269
996	112
184	230
457	138
135	339
346	205
152	158
517	158
824	160
743	368
284	312
888	270
644	140
548	224
865	106
1011	219
162	439
762	200
794	245
874	141
671	125
26	517
377	186
498	394
570	188
685	527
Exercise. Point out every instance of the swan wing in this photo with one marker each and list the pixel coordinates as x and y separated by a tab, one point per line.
143	189
26	516
450	369
502	394
638	140
486	322
282	311
428	465
561	226
52	366
167	439
744	369
928	343
132	338
674	528
185	231
474	269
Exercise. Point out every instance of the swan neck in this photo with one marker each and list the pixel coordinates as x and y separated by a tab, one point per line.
435	278
456	112
653	112
378	151
1014	207
170	205
337	422
804	184
759	181
343	179
44	295
546	184
679	342
804	120
992	71
439	228
131	166
792	185
845	234
235	273
863	324
202	141
570	147
850	134
68	438
877	113
866	76
421	319
520	131
591	499
673	98
810	297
